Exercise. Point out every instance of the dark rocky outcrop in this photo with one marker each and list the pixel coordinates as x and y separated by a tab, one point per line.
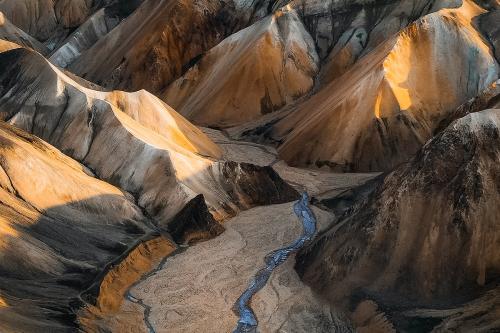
59	228
159	41
427	236
193	223
250	185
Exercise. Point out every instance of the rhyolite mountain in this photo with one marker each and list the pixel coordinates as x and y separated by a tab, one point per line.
151	150
427	236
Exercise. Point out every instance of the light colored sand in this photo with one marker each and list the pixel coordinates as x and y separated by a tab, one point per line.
195	290
321	183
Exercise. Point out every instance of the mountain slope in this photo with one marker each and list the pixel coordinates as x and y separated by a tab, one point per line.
134	141
272	63
59	227
13	34
46	20
388	105
428	235
161	40
95	27
253	72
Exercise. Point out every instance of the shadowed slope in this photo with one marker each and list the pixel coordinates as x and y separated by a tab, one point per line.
13	34
379	113
162	39
253	72
46	20
428	235
95	27
59	228
134	141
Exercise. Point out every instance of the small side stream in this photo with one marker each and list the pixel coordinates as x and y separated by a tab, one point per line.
140	302
248	321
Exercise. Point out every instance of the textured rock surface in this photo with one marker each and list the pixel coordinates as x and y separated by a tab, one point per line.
429	234
253	72
387	106
134	141
344	31
96	27
46	20
488	23
10	32
49	203
172	35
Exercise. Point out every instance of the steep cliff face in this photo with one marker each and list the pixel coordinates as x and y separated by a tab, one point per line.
488	23
253	72
389	104
428	235
59	227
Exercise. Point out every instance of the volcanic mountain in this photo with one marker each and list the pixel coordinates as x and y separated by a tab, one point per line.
151	152
428	234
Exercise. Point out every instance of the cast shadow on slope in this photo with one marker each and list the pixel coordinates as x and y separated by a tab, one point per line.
48	261
59	238
69	260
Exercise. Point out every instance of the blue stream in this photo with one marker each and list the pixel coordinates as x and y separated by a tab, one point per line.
248	321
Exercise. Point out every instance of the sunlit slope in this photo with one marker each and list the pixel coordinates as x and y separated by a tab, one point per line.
134	141
161	40
379	113
253	72
59	227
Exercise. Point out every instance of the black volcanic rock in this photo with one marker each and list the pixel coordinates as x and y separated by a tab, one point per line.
250	185
194	223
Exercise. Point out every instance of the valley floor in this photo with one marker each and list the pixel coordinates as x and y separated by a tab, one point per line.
194	289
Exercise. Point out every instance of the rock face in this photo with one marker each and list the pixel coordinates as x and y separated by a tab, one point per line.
429	233
96	27
388	105
172	35
194	222
46	20
344	31
271	63
49	203
488	25
10	32
134	141
52	21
